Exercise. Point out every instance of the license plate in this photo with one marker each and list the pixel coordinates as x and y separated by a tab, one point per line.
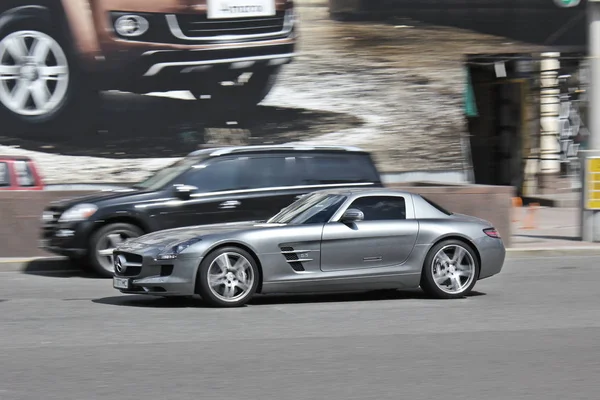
120	283
219	9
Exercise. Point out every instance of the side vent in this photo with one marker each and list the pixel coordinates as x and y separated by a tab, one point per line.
291	256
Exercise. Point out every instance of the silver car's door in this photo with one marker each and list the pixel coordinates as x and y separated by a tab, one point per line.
385	237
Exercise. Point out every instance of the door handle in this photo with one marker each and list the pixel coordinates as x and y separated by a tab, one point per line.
229	204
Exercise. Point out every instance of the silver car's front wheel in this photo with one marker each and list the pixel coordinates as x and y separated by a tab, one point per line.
451	270
228	277
34	73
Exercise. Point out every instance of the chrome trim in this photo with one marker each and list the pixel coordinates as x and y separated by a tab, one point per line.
156	68
241	149
288	24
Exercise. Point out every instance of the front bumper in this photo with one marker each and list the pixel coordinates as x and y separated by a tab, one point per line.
65	239
143	274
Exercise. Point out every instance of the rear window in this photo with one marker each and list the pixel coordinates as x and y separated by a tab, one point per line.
336	169
437	206
4	175
24	174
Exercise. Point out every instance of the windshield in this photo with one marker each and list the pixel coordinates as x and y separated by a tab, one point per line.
166	175
316	208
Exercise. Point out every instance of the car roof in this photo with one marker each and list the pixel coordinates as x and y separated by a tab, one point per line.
362	191
14	158
226	150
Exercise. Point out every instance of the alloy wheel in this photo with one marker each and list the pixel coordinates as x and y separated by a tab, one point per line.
34	73
230	277
453	269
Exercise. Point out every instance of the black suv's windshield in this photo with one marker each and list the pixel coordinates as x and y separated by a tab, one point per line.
316	208
168	174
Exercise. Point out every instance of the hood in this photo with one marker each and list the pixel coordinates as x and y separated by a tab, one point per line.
170	237
96	197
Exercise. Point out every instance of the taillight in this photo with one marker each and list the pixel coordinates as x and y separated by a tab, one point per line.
492	232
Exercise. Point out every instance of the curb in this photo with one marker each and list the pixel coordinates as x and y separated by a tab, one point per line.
62	265
555	251
37	265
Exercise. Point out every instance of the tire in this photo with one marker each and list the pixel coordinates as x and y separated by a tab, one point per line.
215	296
61	92
432	268
100	240
239	100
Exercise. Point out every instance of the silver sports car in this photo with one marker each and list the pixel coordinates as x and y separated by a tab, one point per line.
333	240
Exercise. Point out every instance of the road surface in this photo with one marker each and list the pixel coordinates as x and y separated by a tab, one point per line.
532	332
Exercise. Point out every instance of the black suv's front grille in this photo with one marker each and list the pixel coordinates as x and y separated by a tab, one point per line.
50	219
199	26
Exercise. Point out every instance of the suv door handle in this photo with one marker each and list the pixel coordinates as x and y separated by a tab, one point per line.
229	204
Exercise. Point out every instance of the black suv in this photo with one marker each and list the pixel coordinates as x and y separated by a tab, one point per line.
232	184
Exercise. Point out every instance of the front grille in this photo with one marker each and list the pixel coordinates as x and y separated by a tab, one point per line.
50	219
132	265
199	26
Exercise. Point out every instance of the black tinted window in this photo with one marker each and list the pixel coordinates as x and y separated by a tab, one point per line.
263	172
380	208
4	175
332	169
217	176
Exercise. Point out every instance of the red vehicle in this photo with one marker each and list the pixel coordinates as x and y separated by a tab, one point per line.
19	173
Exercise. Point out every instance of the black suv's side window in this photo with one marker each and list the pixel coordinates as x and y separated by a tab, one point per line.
264	172
381	208
332	169
4	175
217	176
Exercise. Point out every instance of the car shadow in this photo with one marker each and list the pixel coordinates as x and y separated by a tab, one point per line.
264	300
56	268
128	125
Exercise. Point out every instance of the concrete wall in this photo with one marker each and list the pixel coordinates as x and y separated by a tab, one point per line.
20	212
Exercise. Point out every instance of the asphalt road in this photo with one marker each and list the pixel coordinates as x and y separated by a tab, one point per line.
532	332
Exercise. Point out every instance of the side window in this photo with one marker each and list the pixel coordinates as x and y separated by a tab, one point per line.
24	174
218	176
4	175
264	172
381	208
331	169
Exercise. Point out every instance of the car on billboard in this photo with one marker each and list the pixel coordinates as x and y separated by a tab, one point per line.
56	55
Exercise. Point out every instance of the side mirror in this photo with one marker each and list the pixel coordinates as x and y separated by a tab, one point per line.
184	191
352	215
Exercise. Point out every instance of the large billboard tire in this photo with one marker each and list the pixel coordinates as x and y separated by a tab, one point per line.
42	92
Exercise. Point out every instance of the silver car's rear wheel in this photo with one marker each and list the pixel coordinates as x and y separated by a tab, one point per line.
451	269
228	277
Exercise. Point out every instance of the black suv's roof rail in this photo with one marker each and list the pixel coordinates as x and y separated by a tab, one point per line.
220	151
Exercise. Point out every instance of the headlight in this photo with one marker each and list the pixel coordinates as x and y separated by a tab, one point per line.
131	25
80	212
173	251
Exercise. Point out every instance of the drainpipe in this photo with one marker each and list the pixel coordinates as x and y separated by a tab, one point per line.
550	110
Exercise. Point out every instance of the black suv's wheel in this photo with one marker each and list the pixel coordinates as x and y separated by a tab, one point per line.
39	79
241	97
450	270
228	277
104	241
